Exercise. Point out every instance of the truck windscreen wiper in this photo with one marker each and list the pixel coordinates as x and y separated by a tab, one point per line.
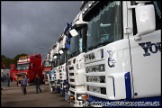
75	53
101	44
91	48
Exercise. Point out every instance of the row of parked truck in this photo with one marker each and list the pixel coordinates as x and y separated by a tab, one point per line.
109	55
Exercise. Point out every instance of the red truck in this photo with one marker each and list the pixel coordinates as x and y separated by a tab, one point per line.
29	65
13	72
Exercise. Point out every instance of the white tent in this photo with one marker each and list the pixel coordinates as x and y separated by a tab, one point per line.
5	72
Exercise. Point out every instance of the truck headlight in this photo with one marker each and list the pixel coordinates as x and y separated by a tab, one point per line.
79	97
65	86
82	97
72	98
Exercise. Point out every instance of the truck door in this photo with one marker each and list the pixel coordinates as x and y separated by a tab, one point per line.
146	59
13	71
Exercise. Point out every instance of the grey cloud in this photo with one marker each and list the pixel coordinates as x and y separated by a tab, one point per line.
28	26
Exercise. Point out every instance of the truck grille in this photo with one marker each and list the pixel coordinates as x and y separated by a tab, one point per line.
72	86
69	63
98	79
61	85
103	90
71	92
71	68
71	74
100	90
72	80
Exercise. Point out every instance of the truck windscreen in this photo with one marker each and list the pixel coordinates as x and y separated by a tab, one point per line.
62	58
105	26
46	64
74	46
23	66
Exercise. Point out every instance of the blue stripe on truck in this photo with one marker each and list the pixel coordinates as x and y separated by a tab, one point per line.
128	85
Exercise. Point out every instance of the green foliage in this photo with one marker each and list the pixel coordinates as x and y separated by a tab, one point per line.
9	61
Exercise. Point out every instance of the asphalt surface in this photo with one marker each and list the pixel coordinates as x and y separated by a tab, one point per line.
13	97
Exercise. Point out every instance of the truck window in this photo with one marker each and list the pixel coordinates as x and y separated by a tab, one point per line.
23	66
157	5
56	62
74	46
46	64
62	58
84	39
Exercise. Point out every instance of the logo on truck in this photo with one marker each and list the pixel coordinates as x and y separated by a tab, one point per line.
111	61
149	48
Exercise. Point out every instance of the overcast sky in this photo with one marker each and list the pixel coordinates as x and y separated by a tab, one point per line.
33	26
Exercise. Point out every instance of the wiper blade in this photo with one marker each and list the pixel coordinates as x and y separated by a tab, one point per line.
75	53
102	44
91	48
98	45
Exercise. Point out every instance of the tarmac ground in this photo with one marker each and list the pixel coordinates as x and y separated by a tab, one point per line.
13	97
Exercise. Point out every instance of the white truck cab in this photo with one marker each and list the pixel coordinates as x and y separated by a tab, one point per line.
63	59
75	65
50	75
46	69
123	57
56	67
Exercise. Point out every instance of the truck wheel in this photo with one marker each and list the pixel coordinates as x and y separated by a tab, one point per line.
52	89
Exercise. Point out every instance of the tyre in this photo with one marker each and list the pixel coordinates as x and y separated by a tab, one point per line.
52	89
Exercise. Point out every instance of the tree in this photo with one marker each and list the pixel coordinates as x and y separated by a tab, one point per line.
3	62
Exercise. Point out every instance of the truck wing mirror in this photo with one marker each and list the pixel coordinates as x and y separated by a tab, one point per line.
55	57
145	18
61	51
73	32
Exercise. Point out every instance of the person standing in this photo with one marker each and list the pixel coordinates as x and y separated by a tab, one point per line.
24	83
8	80
37	82
11	79
2	77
